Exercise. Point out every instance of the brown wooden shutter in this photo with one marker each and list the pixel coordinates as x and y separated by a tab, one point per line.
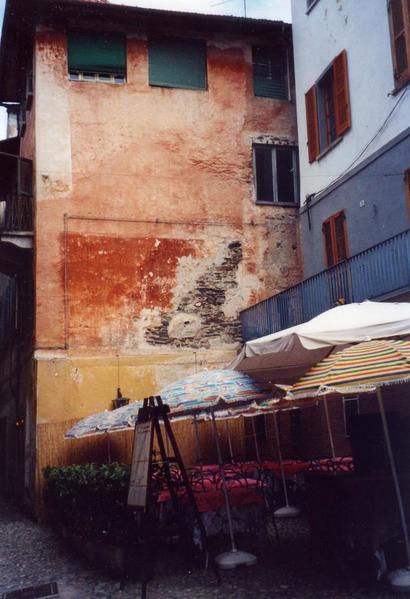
327	233
340	236
341	93
399	12
312	124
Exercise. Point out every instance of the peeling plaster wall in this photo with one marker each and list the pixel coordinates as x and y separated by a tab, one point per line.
148	238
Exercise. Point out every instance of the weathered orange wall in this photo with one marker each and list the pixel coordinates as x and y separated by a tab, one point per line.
177	164
148	238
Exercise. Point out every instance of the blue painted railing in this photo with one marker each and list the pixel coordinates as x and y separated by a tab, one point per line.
378	271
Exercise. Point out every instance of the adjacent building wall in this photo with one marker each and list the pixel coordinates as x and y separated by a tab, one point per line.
362	29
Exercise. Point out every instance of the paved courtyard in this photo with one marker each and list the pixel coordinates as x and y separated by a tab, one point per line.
32	554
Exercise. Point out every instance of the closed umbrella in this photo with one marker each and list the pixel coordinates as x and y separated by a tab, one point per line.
366	367
206	393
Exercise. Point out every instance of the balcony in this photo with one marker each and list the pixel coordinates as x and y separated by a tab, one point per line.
380	272
16	201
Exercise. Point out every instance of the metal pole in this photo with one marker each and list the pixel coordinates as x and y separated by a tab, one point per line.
394	474
329	428
198	443
279	450
224	487
258	455
229	440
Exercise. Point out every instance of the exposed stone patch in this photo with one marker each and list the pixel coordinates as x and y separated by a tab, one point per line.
199	317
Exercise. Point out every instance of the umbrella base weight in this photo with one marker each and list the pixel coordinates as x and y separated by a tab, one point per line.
400	580
232	559
288	511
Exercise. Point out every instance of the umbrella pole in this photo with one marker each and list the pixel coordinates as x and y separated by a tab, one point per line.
288	510
229	559
197	441
329	428
395	478
229	440
258	455
224	487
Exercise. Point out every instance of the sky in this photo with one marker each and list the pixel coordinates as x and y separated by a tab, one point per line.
278	10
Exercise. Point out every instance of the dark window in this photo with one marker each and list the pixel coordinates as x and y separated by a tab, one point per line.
96	56
400	39
276	174
177	63
270	72
334	231
350	410
328	107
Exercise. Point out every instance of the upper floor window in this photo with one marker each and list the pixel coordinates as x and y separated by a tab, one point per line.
399	11
276	174
334	231
177	62
96	56
270	72
328	107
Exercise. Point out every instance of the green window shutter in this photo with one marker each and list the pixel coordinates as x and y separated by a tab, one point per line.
96	52
270	73
177	63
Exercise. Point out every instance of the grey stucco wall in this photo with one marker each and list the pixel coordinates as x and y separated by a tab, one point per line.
373	197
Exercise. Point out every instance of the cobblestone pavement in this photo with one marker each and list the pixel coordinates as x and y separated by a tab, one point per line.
32	554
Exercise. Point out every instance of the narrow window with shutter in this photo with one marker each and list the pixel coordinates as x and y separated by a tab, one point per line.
270	72
177	62
335	238
96	56
399	13
328	108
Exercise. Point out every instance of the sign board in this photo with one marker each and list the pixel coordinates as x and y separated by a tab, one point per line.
141	457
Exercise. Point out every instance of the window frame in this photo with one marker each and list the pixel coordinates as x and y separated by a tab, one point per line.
333	238
338	70
271	50
295	165
407	189
402	79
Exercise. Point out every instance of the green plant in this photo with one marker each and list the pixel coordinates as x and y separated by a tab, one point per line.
88	499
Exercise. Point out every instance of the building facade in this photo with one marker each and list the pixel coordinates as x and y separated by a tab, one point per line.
165	196
352	73
353	105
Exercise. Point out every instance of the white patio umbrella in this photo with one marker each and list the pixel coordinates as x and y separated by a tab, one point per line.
286	355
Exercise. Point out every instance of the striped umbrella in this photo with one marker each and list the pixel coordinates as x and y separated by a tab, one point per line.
365	367
212	389
356	368
207	392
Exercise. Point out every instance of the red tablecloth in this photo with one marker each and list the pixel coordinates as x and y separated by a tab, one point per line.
291	467
209	495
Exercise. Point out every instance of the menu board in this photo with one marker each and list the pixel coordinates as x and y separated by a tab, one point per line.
141	456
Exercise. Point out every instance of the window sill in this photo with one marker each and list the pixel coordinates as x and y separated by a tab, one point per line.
312	6
283	204
400	86
330	147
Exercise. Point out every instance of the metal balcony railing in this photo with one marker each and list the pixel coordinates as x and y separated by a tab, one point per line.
379	271
16	212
